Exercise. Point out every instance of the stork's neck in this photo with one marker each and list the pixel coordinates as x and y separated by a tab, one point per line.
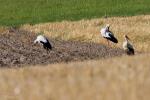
107	28
126	40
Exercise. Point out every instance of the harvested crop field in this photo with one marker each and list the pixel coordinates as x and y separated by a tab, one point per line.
17	49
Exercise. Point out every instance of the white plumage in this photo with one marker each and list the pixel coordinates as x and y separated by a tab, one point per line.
44	41
127	46
107	34
40	38
104	31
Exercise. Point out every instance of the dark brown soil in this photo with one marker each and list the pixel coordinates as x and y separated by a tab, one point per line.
17	49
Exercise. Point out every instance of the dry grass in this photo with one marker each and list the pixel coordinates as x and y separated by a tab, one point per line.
125	78
136	27
3	29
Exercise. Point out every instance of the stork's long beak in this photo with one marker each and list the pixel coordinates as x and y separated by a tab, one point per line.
107	25
34	43
127	37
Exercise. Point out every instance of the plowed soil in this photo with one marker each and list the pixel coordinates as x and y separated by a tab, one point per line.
17	49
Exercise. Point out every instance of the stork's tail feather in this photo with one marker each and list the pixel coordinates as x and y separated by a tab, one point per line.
48	46
113	39
130	51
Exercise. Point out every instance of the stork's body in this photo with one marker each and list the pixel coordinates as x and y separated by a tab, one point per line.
44	41
107	34
127	46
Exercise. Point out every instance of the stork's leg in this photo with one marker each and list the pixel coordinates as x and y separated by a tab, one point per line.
104	40
48	50
114	45
44	46
108	42
107	45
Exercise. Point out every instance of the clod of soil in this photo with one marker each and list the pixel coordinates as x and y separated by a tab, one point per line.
17	49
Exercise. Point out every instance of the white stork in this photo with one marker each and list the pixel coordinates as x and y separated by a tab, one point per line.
44	41
107	34
127	46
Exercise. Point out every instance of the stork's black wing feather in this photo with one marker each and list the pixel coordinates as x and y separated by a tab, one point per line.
130	51
112	38
46	45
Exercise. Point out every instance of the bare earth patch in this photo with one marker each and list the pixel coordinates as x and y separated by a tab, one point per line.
17	49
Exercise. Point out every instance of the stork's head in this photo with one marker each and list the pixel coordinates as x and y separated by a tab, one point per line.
107	26
35	41
126	37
